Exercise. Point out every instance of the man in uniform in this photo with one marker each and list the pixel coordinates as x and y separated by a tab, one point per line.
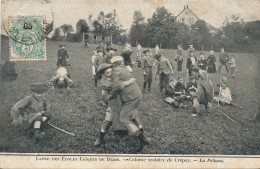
223	60
147	67
32	111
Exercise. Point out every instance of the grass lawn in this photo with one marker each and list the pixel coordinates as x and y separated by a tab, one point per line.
173	131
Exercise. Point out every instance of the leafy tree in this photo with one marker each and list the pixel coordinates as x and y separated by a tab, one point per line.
82	26
66	29
138	29
161	27
56	35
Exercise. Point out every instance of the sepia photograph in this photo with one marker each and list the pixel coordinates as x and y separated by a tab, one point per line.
126	83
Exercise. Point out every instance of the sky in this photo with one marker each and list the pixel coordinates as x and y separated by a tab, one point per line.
69	12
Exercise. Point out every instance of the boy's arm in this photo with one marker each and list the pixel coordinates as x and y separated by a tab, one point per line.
169	65
16	109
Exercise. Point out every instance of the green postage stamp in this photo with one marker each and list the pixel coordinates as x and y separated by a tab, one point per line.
27	38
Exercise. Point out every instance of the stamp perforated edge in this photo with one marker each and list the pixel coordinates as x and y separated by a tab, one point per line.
45	42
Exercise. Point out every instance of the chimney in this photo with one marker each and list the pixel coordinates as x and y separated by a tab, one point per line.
184	6
187	6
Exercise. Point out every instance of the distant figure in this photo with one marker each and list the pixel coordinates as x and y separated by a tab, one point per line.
8	72
202	62
164	69
147	67
191	62
63	57
191	48
223	60
97	60
31	112
110	53
126	54
157	49
211	62
139	51
179	59
232	66
100	46
61	79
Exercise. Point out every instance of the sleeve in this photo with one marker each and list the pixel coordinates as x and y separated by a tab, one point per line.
20	105
188	63
143	62
66	53
169	64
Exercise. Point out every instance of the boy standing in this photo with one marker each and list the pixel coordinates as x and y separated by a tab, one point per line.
202	62
63	57
164	69
232	66
179	59
223	60
147	67
32	111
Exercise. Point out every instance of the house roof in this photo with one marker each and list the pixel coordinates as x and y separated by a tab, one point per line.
187	8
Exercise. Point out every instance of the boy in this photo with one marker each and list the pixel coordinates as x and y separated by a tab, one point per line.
61	78
202	62
223	60
179	59
204	94
114	103
191	62
175	93
224	94
97	60
63	57
147	67
164	69
126	54
192	86
32	111
131	97
232	66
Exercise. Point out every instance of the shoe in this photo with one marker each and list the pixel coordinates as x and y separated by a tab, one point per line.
100	140
143	141
38	136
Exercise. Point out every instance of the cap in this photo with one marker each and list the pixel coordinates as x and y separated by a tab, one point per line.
157	56
116	58
146	51
192	77
110	48
100	50
62	45
39	87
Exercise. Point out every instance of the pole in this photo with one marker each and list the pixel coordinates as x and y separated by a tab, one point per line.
64	131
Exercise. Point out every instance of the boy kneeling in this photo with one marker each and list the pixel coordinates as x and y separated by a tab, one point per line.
31	112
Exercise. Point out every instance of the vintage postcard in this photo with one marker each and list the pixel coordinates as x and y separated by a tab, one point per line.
130	84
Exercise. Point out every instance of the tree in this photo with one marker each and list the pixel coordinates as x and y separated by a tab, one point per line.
66	29
107	25
138	29
82	26
56	35
161	27
201	36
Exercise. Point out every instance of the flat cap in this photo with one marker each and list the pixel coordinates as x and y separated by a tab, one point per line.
116	58
157	56
146	51
39	87
110	48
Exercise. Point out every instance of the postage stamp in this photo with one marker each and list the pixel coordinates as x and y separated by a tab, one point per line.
27	38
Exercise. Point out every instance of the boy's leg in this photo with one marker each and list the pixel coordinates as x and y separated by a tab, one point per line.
150	79
106	124
226	67
161	76
69	81
53	80
38	135
195	106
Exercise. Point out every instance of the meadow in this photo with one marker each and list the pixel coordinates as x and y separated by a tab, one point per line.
172	131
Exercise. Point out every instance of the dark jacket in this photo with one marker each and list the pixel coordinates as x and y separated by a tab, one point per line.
189	63
202	64
127	58
223	57
62	57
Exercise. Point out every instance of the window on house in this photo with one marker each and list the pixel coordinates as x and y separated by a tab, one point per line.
182	19
191	21
95	37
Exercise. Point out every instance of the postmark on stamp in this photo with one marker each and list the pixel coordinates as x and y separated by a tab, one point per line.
27	38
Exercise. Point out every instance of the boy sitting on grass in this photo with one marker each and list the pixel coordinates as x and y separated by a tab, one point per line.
31	112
